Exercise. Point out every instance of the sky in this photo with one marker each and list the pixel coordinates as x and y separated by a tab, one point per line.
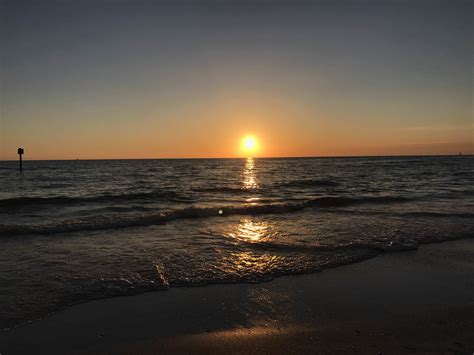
186	79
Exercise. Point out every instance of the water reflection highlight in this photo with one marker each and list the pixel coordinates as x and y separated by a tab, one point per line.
249	175
251	231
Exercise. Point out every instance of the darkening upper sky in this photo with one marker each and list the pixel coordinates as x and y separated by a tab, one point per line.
122	79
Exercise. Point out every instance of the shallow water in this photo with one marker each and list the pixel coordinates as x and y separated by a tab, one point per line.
76	230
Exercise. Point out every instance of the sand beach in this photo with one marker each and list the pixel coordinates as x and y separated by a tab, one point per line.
418	301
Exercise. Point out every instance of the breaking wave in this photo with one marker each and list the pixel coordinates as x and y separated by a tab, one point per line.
124	221
21	202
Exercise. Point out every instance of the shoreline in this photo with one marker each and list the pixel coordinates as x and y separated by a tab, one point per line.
419	300
329	267
208	284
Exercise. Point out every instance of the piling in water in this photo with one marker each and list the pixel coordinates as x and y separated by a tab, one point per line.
20	153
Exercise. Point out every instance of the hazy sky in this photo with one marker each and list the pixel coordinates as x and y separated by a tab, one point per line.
144	79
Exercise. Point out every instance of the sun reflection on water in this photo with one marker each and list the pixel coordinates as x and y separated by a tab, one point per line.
248	263
251	259
250	231
249	175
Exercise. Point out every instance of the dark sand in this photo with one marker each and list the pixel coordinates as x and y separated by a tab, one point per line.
409	302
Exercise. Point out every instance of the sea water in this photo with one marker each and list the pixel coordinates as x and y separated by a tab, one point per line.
71	231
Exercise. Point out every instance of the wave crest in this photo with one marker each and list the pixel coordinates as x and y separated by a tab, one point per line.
20	202
124	221
310	183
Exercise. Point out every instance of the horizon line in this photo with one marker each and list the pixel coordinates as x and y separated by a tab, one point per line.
260	157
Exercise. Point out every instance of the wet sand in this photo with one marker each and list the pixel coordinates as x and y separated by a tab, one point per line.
409	302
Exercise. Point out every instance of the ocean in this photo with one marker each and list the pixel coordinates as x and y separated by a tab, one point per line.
72	231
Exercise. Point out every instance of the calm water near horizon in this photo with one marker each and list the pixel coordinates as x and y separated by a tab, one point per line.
77	230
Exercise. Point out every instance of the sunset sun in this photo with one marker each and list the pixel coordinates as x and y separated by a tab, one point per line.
249	145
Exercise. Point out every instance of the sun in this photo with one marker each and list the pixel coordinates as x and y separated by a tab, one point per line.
249	145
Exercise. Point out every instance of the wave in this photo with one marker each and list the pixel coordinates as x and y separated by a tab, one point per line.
124	221
309	183
438	214
422	214
223	189
20	202
380	246
295	183
54	185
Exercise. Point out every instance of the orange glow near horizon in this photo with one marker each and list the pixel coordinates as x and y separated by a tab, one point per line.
160	84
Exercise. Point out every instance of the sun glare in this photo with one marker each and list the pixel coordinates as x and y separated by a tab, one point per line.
249	144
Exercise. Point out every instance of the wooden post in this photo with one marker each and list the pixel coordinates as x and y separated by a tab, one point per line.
20	153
